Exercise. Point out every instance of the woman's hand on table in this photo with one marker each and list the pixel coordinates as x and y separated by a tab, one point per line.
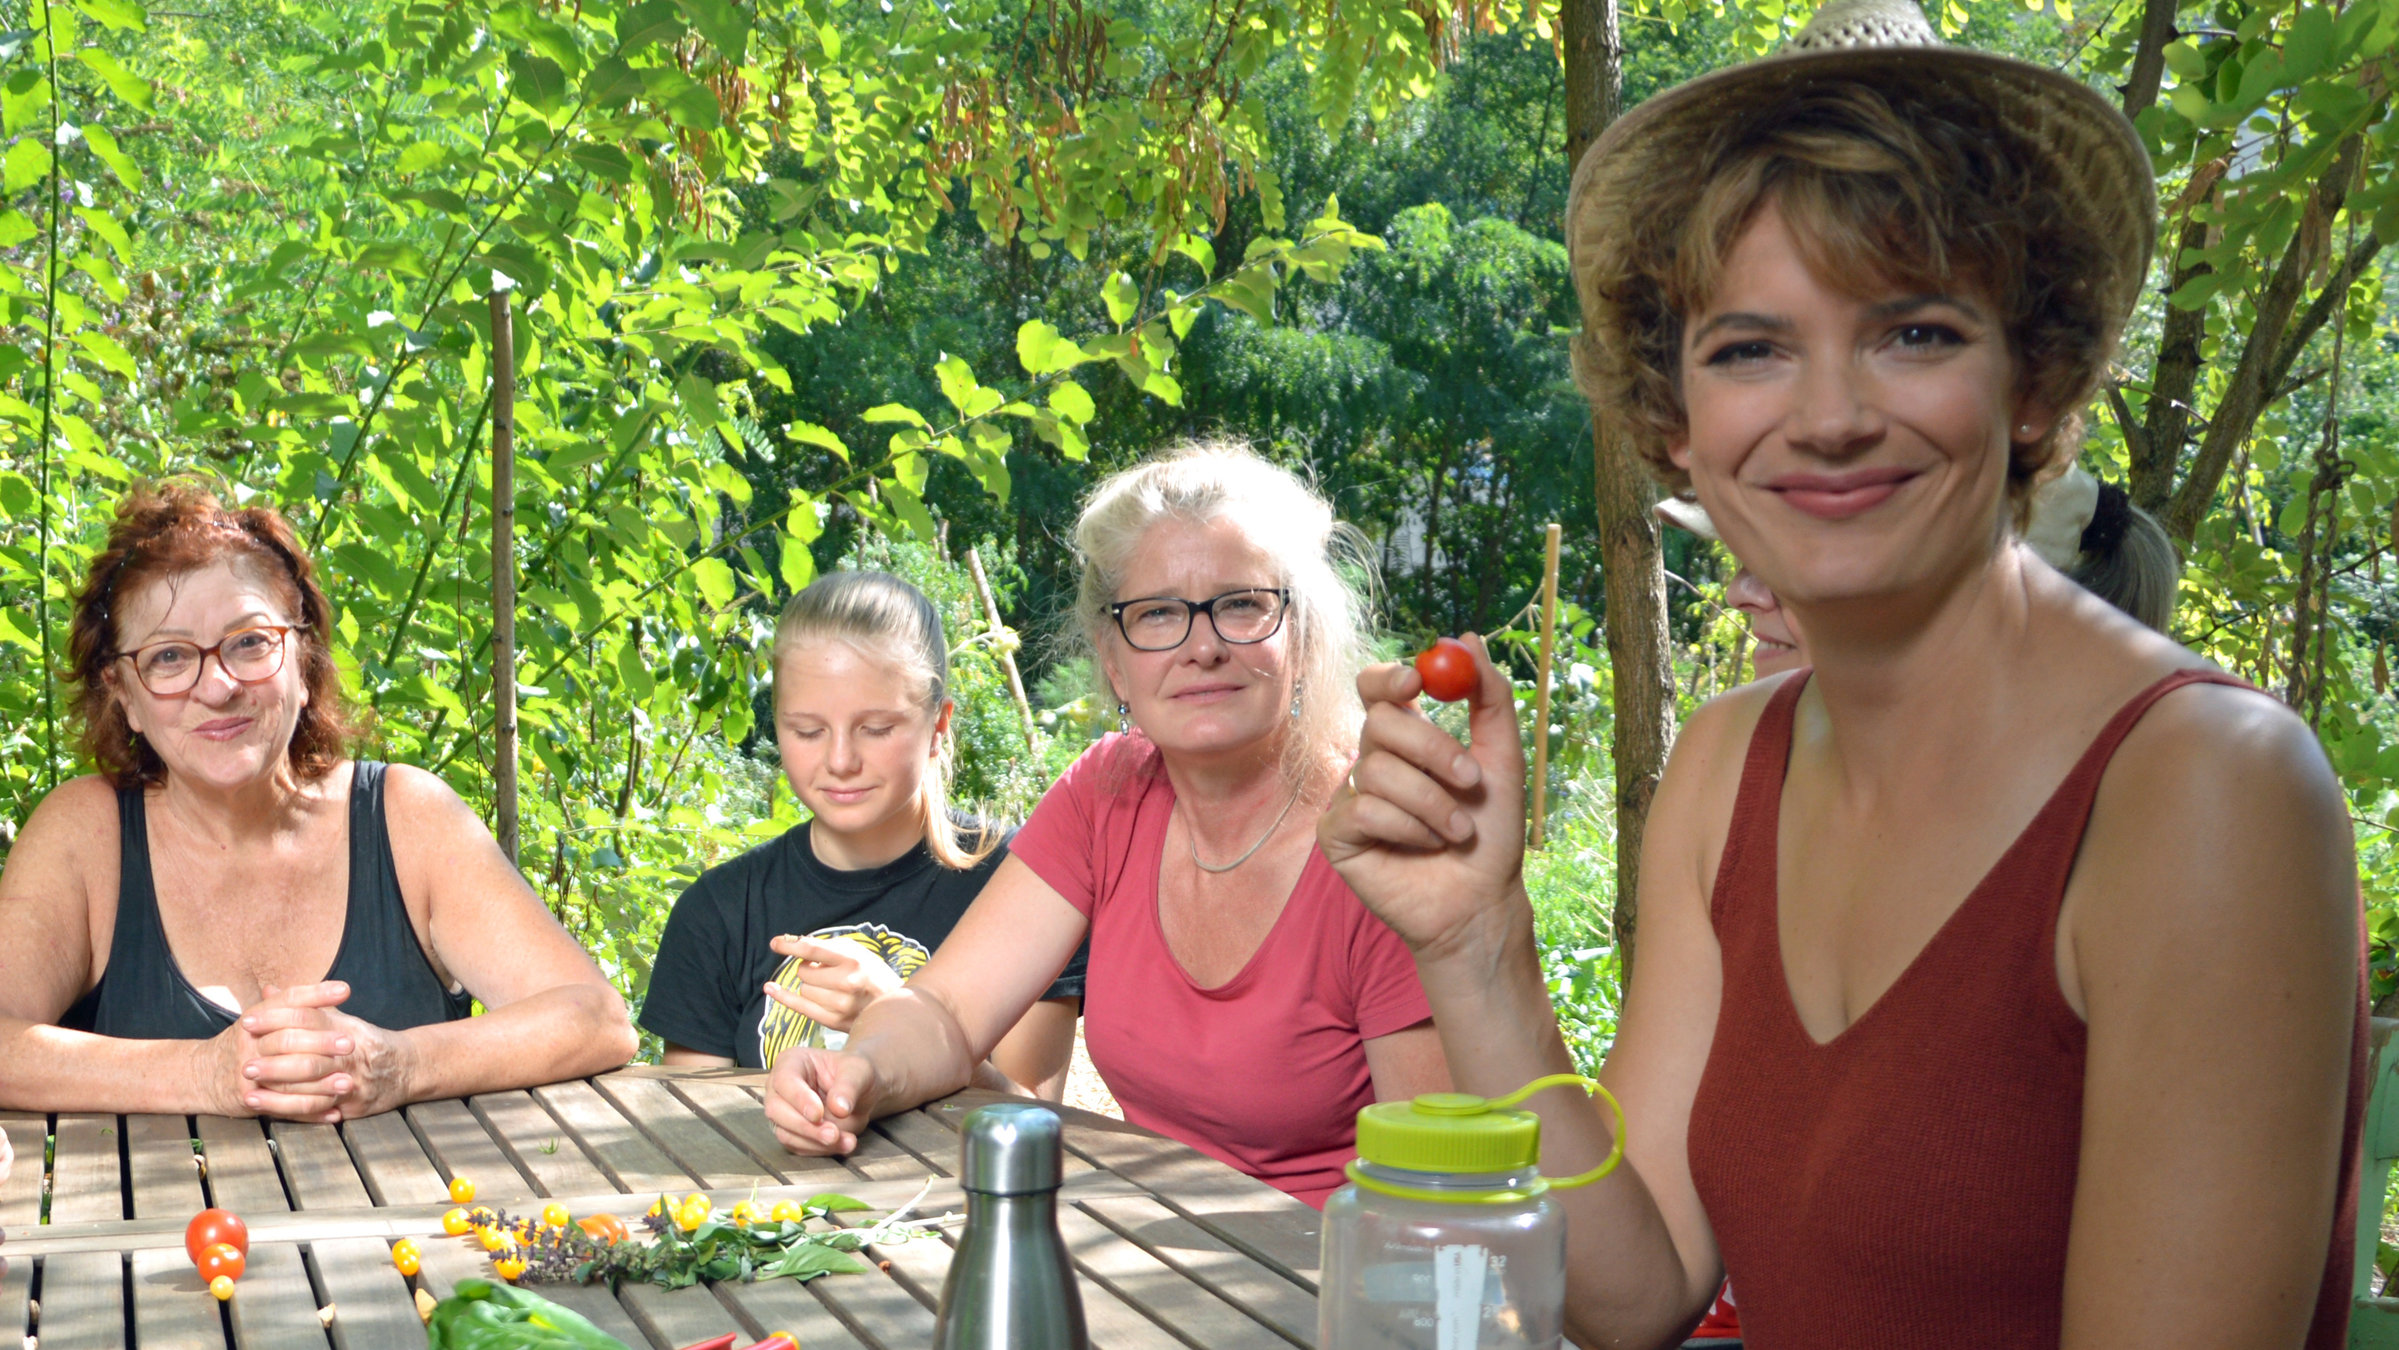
837	982
817	1101
305	1048
1430	833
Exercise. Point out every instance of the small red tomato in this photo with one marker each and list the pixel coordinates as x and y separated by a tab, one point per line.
1447	670
212	1226
222	1259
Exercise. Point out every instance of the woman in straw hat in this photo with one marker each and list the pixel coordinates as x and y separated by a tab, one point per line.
2012	1000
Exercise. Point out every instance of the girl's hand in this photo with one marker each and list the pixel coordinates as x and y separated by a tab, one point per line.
818	1101
1430	833
838	982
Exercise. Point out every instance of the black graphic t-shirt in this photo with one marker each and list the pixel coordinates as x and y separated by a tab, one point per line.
707	986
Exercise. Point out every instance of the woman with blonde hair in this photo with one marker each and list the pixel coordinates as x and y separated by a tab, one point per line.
1998	981
787	944
1239	998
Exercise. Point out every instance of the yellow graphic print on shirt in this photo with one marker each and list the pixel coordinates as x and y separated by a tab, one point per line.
781	1029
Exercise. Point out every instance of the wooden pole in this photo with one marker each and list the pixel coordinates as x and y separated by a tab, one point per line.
1549	646
991	613
503	573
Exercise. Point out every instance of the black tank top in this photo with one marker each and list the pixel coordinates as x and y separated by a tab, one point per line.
144	996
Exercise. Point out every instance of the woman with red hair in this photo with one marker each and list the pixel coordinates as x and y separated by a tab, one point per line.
233	917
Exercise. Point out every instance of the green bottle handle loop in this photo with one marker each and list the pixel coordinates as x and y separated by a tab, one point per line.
1356	1170
1615	1153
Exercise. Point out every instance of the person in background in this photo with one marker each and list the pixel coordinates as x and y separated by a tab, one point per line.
1999	978
1239	999
233	917
787	944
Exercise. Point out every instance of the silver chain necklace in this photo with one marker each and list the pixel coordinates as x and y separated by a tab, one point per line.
1252	849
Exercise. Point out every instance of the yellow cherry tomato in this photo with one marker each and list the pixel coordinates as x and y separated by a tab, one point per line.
510	1266
746	1213
698	1200
786	1212
461	1189
494	1239
222	1287
456	1223
554	1215
405	1257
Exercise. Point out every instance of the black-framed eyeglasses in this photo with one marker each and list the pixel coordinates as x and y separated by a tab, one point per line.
1158	623
249	656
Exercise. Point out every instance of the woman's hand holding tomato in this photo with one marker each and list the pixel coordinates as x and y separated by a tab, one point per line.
838	982
1431	833
819	1101
306	1047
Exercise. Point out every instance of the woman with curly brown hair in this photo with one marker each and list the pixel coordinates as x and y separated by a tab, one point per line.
1998	981
233	917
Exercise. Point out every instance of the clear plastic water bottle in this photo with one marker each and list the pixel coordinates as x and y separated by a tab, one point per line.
1445	1238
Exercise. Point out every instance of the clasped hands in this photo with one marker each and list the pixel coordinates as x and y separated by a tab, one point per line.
294	1055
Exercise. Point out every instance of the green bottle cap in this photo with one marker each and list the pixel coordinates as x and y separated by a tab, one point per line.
1449	1132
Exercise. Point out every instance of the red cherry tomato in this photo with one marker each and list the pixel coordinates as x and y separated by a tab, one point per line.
1447	670
212	1226
603	1228
222	1259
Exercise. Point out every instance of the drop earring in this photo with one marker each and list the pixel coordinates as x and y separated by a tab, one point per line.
1122	724
1296	688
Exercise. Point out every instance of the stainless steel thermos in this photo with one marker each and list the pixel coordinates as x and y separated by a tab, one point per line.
1010	1285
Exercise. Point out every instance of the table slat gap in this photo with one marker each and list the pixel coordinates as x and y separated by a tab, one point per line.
392	1162
1267	1295
164	1169
768	1306
1185	1311
242	1174
172	1308
373	1308
83	1302
21	1193
317	1170
881	1309
738	1116
688	1139
87	1180
538	1145
675	1317
275	1305
633	1163
16	1298
934	1146
455	1139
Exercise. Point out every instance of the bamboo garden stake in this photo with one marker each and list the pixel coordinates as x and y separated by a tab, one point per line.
991	613
503	572
1549	645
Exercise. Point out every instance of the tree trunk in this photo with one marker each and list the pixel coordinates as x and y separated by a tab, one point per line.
503	574
2149	57
2272	345
1631	561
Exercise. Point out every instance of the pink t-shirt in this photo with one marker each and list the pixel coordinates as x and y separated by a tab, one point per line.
1266	1071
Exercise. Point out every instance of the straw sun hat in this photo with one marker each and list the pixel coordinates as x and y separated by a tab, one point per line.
2066	132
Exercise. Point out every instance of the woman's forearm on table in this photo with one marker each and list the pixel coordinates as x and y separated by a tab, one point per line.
49	1068
1626	1284
572	1031
918	1048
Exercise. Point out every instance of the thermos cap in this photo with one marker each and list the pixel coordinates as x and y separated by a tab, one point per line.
1010	1148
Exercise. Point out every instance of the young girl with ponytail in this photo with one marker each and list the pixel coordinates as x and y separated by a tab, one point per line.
785	945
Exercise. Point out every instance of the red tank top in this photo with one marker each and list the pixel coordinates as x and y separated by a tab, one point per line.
1912	1182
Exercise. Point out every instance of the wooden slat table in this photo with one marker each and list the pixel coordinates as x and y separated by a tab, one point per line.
1173	1248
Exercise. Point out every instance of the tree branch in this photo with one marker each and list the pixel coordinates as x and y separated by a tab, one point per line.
2149	57
2266	357
2173	380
